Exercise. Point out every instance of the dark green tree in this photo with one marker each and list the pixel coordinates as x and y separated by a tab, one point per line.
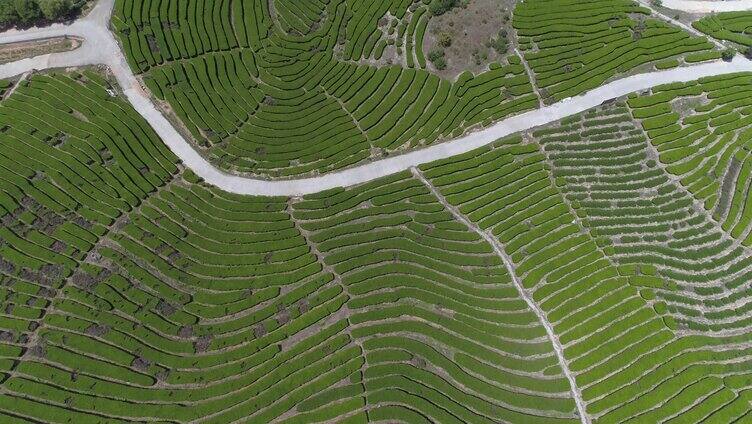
27	10
437	57
728	54
54	9
8	15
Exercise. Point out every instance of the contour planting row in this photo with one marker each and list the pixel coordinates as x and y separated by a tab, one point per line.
156	31
74	159
608	170
195	304
215	308
299	17
574	46
730	26
239	319
296	103
445	334
400	38
628	363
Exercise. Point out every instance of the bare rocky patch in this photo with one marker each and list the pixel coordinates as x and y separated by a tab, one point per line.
471	27
202	344
97	330
140	363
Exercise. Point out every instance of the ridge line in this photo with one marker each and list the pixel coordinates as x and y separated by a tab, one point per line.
499	250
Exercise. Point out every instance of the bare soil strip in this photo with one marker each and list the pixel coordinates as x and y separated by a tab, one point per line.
25	49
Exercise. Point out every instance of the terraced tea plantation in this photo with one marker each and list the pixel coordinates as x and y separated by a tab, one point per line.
730	26
278	89
289	91
589	269
573	46
563	276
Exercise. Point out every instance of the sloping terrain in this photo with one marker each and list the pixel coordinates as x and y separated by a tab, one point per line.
592	269
197	304
519	283
276	89
267	98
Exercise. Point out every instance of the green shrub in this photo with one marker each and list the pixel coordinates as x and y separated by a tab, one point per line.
439	7
445	39
437	57
54	9
27	10
8	13
500	43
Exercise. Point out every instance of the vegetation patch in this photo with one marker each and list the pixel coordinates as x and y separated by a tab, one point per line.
471	35
26	13
729	26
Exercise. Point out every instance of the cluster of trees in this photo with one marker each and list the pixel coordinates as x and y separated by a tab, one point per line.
440	7
25	12
728	54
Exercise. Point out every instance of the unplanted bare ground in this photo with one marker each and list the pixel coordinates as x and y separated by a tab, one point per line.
470	27
17	51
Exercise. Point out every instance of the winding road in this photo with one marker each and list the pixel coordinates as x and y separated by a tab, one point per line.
101	47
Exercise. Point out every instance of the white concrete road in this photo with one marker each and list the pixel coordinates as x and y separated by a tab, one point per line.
99	44
100	47
708	6
688	28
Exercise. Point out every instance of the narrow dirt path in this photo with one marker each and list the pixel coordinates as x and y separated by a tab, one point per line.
530	74
524	294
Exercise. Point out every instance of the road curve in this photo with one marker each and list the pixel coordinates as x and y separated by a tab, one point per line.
100	47
708	6
96	47
373	170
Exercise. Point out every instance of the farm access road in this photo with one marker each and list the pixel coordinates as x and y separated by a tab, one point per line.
101	48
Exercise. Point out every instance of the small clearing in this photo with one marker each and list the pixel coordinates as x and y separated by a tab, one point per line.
471	26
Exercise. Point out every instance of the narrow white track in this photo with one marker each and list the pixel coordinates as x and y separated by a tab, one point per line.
100	47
